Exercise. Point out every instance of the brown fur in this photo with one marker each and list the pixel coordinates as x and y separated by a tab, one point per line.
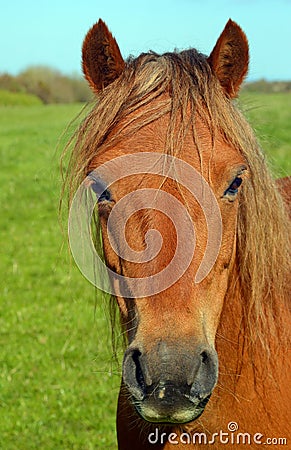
100	50
230	58
181	100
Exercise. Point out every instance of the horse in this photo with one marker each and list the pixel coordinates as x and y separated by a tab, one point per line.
207	354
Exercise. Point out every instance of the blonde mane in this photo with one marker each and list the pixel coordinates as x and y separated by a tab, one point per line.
136	99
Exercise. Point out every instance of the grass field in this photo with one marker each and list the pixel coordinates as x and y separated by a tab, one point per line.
58	383
270	116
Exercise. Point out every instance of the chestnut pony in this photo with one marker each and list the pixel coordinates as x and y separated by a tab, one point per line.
208	357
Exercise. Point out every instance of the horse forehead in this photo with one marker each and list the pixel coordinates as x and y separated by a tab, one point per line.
203	148
203	144
214	165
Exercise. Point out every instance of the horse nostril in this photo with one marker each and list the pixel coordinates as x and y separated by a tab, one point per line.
204	357
135	374
205	375
138	370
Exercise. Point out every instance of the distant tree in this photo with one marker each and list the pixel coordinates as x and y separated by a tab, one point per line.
265	86
9	83
50	85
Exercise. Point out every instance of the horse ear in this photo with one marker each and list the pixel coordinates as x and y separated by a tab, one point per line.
101	58
230	58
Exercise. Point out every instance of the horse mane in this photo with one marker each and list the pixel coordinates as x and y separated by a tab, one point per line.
138	98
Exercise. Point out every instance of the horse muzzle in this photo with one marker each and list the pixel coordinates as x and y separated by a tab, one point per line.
170	384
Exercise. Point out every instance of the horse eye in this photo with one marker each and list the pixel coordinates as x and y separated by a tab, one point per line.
99	188
232	190
105	196
101	193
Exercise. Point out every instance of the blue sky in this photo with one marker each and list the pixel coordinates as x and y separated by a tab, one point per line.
51	32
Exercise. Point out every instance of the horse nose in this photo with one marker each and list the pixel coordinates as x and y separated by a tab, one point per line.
168	376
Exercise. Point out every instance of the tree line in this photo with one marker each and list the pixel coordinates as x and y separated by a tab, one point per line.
267	87
48	84
51	86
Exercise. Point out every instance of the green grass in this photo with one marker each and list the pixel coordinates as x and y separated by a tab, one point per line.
56	386
8	98
270	116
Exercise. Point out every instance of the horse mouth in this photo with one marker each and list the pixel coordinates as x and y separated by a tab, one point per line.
169	413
